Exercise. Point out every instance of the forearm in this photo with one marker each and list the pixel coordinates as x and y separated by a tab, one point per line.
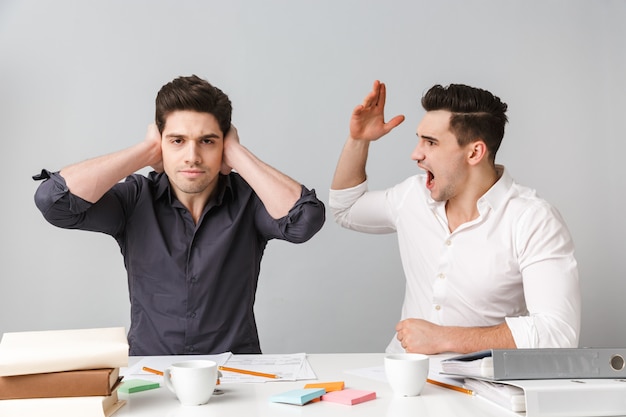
277	191
472	339
422	336
92	178
350	170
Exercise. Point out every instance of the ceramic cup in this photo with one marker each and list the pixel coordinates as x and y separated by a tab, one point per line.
406	373
192	381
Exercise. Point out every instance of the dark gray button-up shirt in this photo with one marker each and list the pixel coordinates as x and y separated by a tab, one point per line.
192	287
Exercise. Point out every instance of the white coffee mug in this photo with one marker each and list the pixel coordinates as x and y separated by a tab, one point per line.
192	381
406	373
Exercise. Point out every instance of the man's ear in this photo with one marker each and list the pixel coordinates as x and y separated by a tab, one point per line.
477	151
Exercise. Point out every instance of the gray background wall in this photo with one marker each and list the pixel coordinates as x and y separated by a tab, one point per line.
78	79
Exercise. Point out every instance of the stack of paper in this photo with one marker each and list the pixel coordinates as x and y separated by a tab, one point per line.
62	372
287	367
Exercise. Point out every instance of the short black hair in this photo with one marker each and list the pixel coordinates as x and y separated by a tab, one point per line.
476	114
193	93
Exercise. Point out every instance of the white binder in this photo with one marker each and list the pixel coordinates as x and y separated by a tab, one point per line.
557	363
556	397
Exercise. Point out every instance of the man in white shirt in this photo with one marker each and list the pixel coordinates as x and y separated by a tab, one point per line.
488	263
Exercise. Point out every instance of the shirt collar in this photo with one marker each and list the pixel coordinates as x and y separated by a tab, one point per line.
493	198
163	188
496	195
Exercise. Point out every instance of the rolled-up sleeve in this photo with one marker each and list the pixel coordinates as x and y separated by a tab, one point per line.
365	211
58	206
305	219
63	209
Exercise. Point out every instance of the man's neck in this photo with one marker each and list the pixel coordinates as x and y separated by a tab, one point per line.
195	202
463	208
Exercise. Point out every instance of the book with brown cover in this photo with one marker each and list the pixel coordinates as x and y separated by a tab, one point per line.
90	382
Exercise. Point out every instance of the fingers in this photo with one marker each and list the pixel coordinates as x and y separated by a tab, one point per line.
393	123
152	132
372	98
232	132
400	326
382	95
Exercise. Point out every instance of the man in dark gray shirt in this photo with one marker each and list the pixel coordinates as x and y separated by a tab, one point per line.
193	231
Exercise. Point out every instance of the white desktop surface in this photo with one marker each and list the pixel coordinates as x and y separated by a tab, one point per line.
249	400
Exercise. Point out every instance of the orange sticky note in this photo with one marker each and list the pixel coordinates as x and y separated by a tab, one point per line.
328	386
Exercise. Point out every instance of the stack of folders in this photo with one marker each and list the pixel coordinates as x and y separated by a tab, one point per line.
62	372
547	382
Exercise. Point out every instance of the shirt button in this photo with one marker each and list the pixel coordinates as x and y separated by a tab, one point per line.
437	307
193	315
441	276
448	242
191	348
194	279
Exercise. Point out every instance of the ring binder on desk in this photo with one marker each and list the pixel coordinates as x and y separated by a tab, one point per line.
555	397
548	363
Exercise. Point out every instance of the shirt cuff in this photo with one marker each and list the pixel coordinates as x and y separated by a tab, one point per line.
342	199
523	331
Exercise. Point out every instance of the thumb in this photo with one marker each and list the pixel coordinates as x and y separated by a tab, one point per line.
393	123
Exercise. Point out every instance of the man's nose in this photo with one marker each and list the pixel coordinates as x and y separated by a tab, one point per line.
417	154
193	156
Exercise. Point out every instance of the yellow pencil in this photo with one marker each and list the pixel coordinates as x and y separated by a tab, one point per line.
244	371
154	371
452	387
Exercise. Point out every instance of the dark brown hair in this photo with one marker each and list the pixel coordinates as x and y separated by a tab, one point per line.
193	93
476	114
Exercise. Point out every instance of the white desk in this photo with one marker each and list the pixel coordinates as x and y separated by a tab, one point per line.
248	400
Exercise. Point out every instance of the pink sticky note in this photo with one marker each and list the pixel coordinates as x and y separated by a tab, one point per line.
349	396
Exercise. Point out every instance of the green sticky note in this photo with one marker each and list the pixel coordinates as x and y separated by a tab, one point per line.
136	385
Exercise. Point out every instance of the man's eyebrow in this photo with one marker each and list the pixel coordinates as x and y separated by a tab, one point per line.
426	137
175	135
182	135
211	135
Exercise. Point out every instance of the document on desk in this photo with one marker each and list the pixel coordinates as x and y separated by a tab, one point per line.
160	363
288	367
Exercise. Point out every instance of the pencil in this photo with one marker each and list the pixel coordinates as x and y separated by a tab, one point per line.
244	371
154	371
452	387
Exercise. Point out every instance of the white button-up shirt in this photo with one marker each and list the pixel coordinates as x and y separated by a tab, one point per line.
515	262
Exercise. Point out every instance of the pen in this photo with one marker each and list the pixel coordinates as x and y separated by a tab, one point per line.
452	387
244	371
